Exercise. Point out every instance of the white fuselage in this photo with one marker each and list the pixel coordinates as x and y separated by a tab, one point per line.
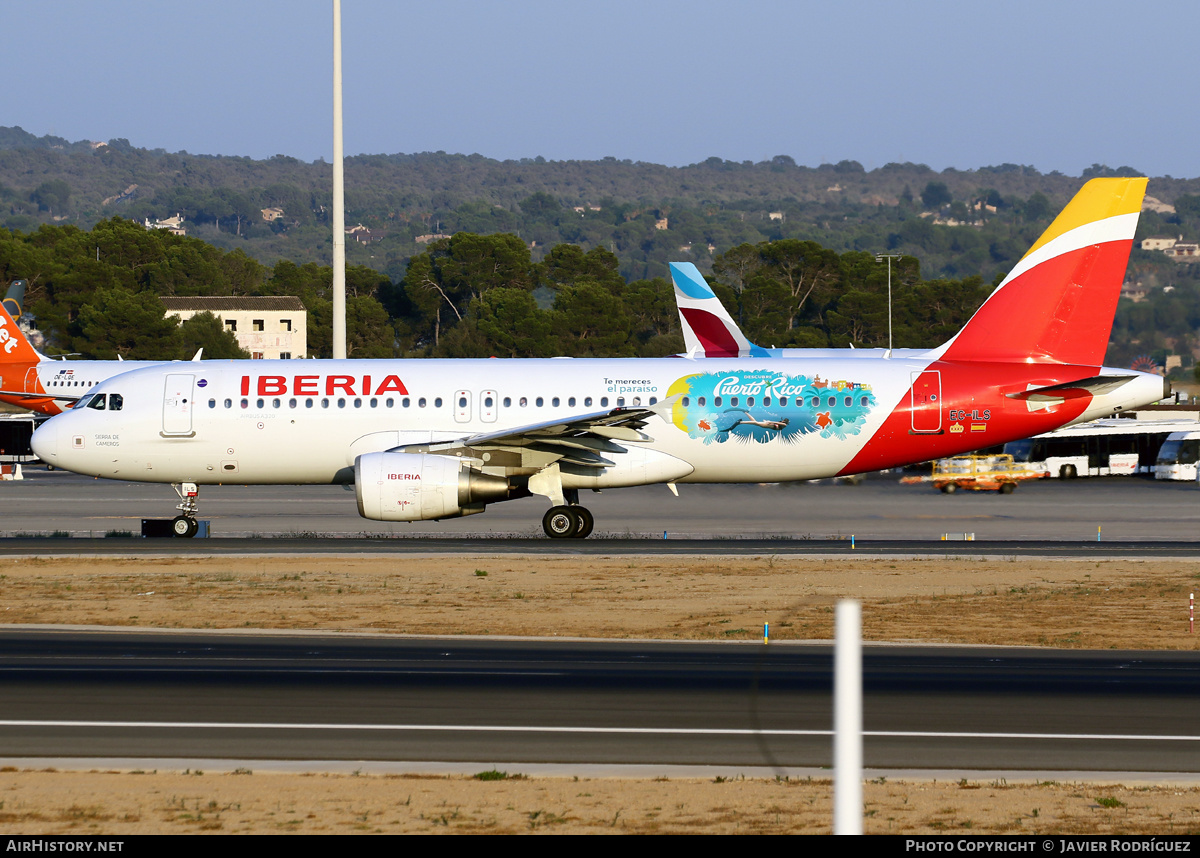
736	420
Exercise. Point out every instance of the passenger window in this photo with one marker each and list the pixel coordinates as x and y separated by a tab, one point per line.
229	403
700	401
421	402
341	402
258	403
571	402
832	400
620	402
653	400
324	403
212	403
245	403
554	402
437	403
308	403
374	402
275	403
291	403
717	401
539	402
685	402
587	402
816	400
604	402
405	402
862	401
508	402
733	400
389	402
357	402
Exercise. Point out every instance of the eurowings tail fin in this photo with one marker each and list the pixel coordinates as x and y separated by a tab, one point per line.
708	328
15	348
1057	304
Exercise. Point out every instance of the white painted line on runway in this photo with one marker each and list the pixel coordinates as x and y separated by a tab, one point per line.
670	731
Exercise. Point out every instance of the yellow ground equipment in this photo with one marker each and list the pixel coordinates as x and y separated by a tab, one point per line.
978	473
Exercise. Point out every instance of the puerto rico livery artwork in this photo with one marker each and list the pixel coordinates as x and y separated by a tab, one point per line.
761	406
435	439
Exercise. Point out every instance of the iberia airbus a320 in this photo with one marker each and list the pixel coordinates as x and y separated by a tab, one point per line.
434	439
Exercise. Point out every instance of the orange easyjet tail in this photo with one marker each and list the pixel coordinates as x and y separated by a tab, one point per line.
14	347
1057	304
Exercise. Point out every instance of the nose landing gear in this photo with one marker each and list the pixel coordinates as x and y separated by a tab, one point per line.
185	525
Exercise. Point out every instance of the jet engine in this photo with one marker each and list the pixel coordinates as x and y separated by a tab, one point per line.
394	486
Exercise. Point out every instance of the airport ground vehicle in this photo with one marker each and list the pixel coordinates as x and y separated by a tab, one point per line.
1100	448
1178	456
995	473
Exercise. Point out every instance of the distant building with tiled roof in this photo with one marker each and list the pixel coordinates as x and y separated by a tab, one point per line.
268	327
1158	242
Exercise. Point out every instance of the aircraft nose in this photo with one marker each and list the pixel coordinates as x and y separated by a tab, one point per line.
45	442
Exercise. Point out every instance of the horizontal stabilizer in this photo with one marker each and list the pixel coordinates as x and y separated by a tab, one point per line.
1094	386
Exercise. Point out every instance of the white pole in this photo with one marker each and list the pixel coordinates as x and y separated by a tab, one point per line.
879	257
847	719
339	195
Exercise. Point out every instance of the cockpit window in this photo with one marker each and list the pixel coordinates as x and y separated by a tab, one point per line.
99	401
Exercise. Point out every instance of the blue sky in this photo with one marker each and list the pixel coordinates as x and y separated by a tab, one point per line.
1059	85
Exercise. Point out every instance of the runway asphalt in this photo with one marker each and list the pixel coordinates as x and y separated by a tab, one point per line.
321	697
1111	509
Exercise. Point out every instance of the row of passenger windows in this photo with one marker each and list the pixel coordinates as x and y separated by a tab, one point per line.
815	402
422	402
523	402
69	383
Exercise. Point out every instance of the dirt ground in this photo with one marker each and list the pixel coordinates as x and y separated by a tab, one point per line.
1062	603
1126	604
121	803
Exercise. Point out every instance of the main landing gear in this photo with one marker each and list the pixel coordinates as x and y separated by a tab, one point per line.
568	522
185	525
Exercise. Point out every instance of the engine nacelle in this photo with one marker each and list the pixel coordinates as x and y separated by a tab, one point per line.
422	486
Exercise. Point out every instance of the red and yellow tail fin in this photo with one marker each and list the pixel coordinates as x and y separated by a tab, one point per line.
1057	304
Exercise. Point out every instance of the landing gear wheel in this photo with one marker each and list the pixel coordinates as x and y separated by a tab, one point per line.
560	522
584	522
184	527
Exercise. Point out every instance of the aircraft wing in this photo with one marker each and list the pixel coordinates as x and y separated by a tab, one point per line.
23	394
579	440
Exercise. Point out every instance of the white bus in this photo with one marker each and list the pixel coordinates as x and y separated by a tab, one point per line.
1100	448
1177	457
